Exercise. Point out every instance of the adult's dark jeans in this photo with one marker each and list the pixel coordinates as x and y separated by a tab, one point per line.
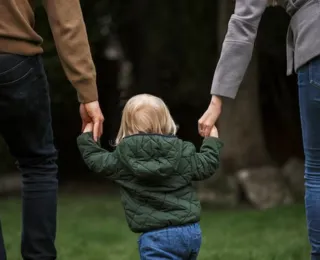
309	95
25	124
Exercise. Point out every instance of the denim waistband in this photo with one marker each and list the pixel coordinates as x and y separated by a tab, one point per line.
194	224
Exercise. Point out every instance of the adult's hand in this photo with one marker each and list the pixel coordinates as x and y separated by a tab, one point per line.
209	118
91	113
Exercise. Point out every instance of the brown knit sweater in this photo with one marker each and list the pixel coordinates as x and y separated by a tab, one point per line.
17	36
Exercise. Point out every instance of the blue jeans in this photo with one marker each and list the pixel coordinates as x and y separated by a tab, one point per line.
309	95
25	124
174	243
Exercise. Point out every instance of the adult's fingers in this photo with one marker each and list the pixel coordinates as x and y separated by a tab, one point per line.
205	124
202	131
201	124
96	131
206	131
101	129
205	127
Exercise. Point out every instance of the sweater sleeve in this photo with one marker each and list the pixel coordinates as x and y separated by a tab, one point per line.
205	163
71	40
237	47
98	159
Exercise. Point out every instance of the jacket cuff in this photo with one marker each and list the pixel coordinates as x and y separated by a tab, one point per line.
214	142
87	91
218	89
84	137
87	137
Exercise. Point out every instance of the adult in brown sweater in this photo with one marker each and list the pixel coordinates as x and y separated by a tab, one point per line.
25	119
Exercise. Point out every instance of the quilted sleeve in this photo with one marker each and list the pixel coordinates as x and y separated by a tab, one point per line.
98	159
205	163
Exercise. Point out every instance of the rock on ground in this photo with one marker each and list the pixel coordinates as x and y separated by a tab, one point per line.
264	187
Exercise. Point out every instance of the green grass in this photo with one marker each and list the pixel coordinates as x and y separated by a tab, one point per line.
94	228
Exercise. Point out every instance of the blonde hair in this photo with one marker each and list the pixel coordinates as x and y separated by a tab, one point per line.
145	113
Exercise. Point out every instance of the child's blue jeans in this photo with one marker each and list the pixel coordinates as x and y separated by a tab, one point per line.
174	243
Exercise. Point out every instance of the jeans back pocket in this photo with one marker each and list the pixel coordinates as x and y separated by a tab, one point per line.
14	68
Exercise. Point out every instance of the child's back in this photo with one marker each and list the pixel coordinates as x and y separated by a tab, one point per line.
155	170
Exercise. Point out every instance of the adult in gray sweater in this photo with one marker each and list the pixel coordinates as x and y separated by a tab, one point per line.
303	56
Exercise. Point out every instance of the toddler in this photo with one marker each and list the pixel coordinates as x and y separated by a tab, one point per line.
155	170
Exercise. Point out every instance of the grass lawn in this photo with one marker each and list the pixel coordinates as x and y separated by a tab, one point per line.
94	228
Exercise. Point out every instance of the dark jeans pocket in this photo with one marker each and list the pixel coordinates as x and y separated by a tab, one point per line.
14	68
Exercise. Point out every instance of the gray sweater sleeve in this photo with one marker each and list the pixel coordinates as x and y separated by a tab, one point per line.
237	47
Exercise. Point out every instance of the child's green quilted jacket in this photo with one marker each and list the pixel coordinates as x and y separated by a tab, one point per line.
155	173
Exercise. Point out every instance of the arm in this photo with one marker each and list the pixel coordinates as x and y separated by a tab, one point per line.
98	159
205	163
70	36
237	47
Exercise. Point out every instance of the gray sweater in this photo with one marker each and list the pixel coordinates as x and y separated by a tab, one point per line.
303	41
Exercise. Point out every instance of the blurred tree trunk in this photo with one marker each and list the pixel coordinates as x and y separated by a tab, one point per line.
240	123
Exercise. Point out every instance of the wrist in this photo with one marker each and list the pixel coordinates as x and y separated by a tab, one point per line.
216	101
216	104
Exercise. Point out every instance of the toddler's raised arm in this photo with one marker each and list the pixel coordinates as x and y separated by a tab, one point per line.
96	158
205	163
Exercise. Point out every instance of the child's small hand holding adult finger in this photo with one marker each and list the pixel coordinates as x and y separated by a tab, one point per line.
214	132
88	128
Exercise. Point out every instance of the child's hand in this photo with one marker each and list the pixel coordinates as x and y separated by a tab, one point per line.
214	132
88	128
